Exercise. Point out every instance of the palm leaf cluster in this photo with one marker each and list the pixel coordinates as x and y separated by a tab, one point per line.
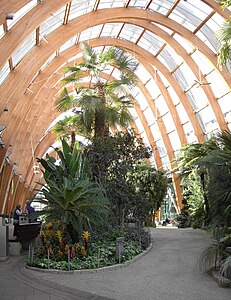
102	103
69	194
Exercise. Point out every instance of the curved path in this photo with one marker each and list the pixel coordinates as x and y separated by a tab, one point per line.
169	271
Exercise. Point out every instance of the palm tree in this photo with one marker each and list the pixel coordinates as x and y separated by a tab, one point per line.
103	103
70	196
224	37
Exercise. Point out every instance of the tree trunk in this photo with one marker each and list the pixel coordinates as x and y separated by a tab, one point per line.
72	140
73	233
202	177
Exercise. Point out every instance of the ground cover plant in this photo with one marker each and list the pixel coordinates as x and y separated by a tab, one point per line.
91	252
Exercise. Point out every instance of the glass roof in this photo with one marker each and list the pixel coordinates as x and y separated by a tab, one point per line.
176	68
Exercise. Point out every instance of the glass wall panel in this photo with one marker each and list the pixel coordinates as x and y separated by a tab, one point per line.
161	105
168	122
149	116
131	32
23	49
225	104
161	148
111	29
204	65
2	33
183	42
80	7
110	3
208	118
189	132
137	3
141	100
197	97
153	88
4	72
175	141
218	84
173	95
152	41
155	131
52	23
161	7
184	76
142	73
182	113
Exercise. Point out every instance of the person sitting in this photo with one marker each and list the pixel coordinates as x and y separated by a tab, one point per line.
17	213
29	208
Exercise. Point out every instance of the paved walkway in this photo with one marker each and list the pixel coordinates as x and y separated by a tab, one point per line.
167	272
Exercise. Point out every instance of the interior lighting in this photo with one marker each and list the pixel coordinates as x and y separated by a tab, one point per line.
10	16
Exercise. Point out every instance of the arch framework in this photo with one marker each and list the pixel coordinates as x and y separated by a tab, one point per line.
182	94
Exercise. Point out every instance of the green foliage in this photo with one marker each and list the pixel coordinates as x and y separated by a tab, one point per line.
112	160
99	251
223	36
150	185
69	194
103	103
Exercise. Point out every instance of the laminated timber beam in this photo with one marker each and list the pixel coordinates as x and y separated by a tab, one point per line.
31	22
124	44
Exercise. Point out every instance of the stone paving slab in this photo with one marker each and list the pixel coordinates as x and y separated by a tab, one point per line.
168	272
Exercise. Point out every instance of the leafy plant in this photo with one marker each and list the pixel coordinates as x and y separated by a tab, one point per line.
69	194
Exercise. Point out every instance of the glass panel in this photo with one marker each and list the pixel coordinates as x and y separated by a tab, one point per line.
205	40
149	116
142	101
152	88
52	23
161	148
184	76
175	141
182	113
110	3
155	131
20	13
173	95
142	73
161	105
204	65
208	117
165	162
80	7
225	104
168	122
189	132
161	7
90	33
197	97
152	41
169	31
183	42
2	33
4	72
169	58
130	32
137	3
23	49
218	84
111	29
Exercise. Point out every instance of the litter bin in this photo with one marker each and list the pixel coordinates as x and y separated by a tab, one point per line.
4	237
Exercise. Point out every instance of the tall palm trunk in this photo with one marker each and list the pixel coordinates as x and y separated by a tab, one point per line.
101	128
72	140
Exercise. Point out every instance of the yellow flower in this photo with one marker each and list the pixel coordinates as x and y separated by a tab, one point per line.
86	235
